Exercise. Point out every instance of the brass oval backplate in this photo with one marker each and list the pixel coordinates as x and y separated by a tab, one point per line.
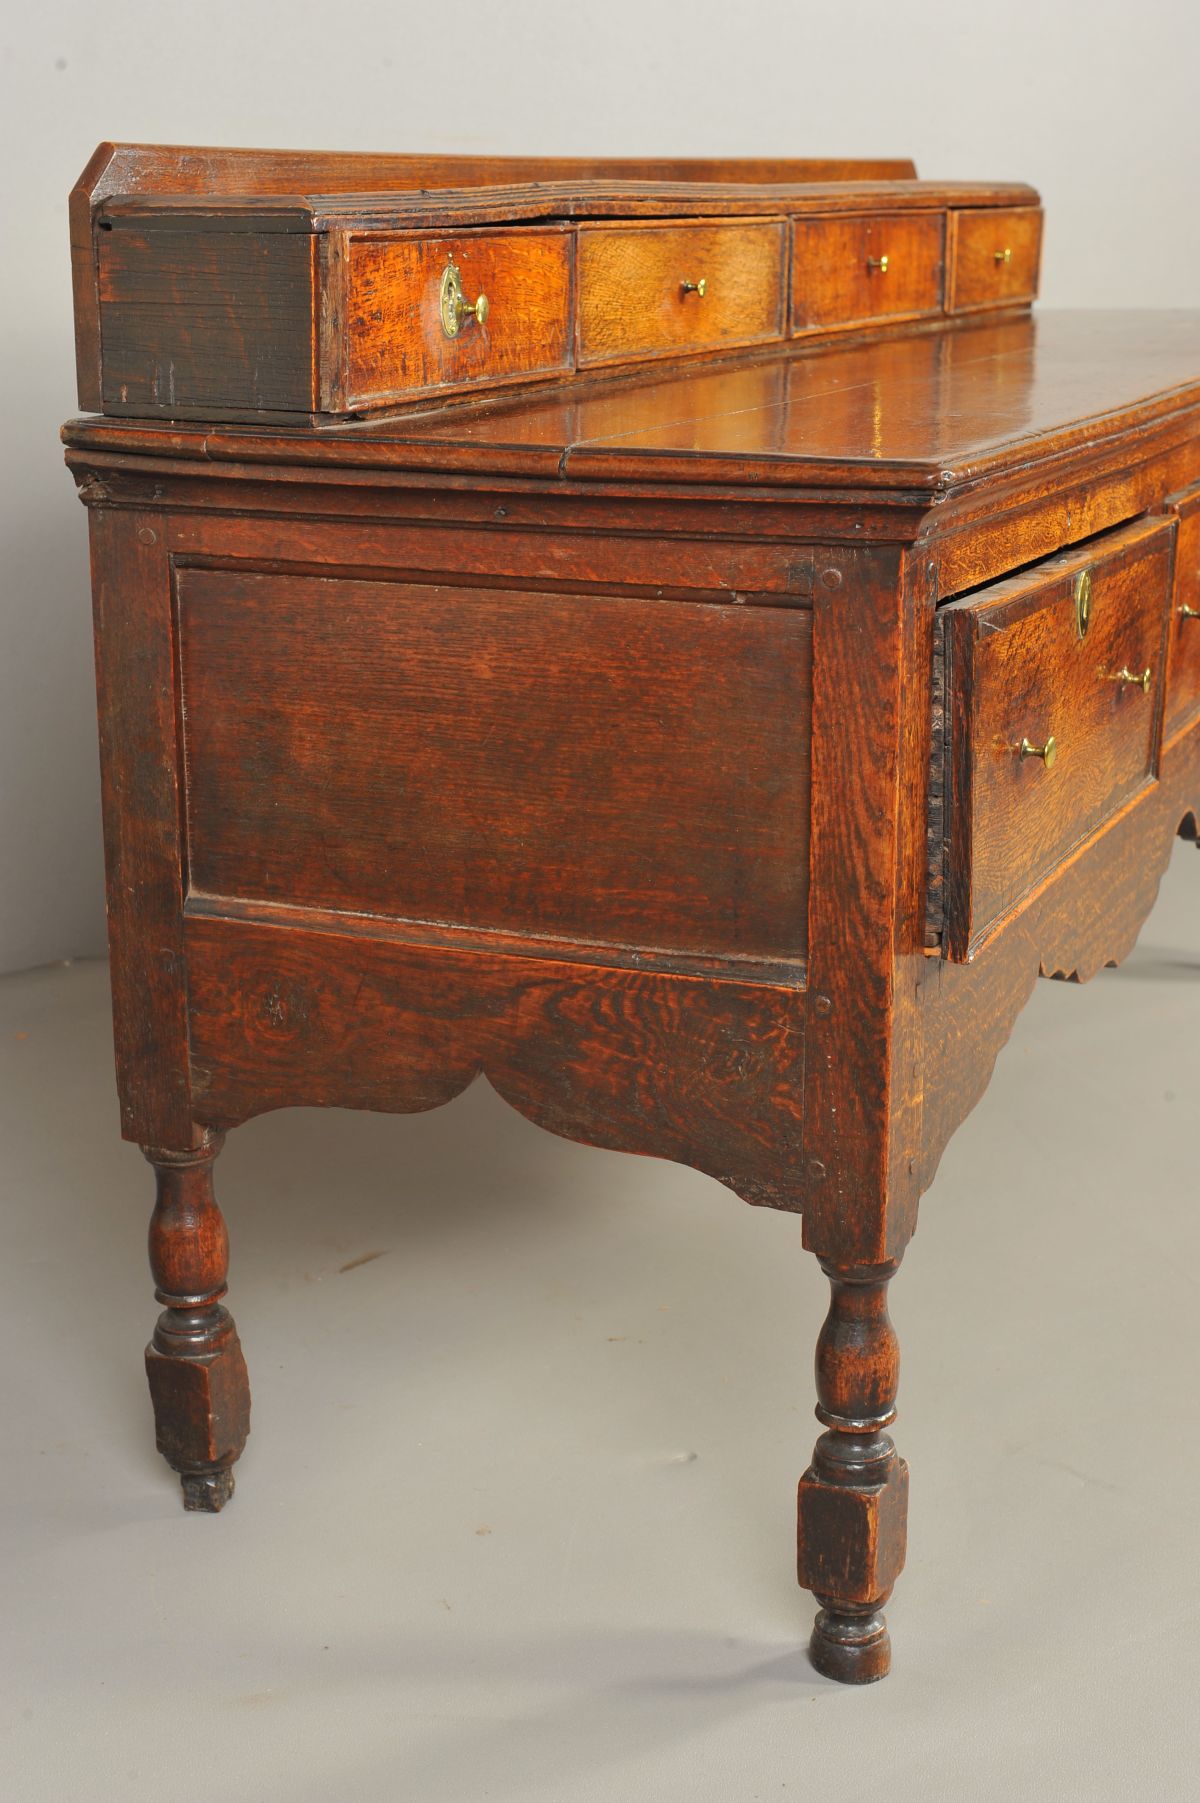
456	309
1083	602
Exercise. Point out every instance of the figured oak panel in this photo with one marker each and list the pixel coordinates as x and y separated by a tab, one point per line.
848	271
994	256
627	772
648	291
395	342
1049	732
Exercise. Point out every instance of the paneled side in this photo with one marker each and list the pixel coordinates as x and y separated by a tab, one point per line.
603	770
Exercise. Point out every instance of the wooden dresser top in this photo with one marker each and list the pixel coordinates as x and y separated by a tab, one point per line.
930	411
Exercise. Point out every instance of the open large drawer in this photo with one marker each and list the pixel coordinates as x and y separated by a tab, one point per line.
1053	683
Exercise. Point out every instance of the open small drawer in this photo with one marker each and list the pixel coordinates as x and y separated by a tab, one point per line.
1052	683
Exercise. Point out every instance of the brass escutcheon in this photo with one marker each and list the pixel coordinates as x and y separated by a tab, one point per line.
456	309
1047	752
1083	602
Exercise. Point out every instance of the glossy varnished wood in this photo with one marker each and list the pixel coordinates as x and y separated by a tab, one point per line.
1018	673
850	272
994	256
564	766
633	301
395	344
348	291
594	740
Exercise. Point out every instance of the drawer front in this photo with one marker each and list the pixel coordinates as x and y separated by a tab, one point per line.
1053	681
852	271
994	256
1183	648
397	334
653	291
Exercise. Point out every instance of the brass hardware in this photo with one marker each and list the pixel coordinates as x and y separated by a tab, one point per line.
879	263
1189	613
1005	255
1131	679
1047	752
455	307
1083	602
699	287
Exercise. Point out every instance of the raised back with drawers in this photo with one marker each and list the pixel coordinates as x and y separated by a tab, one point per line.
291	296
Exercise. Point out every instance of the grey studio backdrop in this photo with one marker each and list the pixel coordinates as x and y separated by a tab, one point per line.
1094	105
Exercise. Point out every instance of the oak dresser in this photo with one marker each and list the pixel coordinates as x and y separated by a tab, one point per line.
683	639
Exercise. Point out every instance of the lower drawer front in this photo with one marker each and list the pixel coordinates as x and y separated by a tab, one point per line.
649	291
1053	681
1183	652
415	320
850	271
994	256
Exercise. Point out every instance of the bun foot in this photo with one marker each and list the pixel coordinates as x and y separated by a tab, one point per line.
206	1491
852	1649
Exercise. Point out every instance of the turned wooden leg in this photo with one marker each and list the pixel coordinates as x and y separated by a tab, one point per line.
853	1503
197	1374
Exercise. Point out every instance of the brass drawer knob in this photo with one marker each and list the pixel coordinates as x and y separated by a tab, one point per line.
1047	752
700	287
1133	679
456	309
1005	255
879	263
1189	613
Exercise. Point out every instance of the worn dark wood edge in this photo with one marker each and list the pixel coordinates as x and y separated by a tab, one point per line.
141	794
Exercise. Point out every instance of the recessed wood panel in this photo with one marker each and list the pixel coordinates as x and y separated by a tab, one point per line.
1017	669
653	290
851	271
994	256
611	770
395	340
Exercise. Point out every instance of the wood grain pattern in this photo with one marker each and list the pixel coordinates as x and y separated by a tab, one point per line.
623	771
632	302
142	806
353	326
837	273
853	1500
193	320
1017	669
994	256
395	342
586	741
1183	647
194	1362
708	1073
1025	435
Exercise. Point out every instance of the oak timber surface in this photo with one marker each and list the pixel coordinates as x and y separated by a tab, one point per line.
927	410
